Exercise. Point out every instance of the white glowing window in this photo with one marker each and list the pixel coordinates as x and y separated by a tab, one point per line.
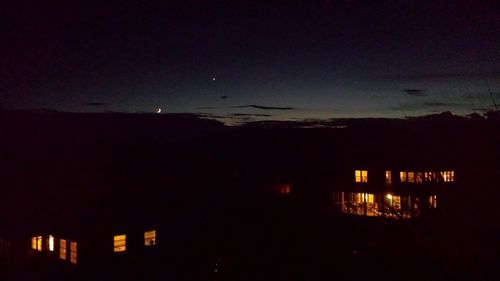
361	176
150	238
62	249
50	243
73	254
388	177
120	243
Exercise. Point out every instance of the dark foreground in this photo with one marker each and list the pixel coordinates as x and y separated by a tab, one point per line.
210	195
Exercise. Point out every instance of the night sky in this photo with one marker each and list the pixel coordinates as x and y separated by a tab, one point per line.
252	60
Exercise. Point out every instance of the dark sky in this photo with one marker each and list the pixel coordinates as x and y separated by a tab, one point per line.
281	60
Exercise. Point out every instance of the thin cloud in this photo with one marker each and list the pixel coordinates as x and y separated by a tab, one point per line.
96	104
428	106
206	107
415	92
251	115
263	107
439	104
440	75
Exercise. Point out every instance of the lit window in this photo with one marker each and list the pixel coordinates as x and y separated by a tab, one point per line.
411	177
120	243
448	176
282	189
433	201
36	243
73	252
39	243
402	177
363	198
150	238
285	189
393	201
430	176
50	242
407	176
369	198
388	177
396	202
62	249
419	177
361	176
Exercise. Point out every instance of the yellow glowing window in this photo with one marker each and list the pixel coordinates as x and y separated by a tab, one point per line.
36	243
150	238
388	177
361	176
369	198
120	243
62	249
402	177
448	176
430	176
363	198
73	252
50	243
407	176
393	200
396	202
39	243
358	198
411	177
